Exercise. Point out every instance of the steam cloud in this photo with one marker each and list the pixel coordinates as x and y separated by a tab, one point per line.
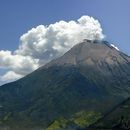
44	43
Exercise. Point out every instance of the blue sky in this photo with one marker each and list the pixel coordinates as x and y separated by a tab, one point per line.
19	16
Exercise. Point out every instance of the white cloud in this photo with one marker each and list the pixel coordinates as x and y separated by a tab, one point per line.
19	64
114	47
10	76
44	43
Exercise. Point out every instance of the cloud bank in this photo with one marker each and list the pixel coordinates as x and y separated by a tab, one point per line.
44	43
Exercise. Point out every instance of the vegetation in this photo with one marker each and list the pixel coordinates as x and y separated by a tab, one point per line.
80	120
6	117
84	119
58	124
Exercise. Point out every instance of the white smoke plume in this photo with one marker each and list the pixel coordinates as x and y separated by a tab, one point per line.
44	43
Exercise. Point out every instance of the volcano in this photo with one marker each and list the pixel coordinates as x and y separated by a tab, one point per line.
70	92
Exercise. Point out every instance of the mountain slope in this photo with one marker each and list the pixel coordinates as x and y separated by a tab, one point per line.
116	118
91	77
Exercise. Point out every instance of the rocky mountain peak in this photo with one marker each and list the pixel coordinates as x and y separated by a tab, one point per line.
90	52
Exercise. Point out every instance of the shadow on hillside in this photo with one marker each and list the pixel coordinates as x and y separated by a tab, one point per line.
122	124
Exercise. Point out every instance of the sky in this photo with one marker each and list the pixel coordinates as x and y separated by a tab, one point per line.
17	17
